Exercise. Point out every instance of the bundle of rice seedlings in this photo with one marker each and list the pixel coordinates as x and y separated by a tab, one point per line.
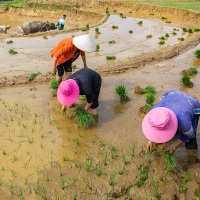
185	81
145	109
193	70
84	118
54	86
110	57
149	89
120	91
150	98
171	161
197	53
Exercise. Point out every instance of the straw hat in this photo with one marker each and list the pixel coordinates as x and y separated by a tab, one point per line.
68	92
84	43
8	26
160	125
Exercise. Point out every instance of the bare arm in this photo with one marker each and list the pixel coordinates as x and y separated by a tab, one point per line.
84	61
53	69
174	147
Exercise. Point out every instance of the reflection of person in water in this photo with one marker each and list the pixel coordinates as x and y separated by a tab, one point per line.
61	23
4	28
82	82
175	115
67	51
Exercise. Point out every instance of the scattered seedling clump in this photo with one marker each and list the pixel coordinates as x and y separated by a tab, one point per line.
184	30
161	42
196	29
149	36
112	42
130	31
33	75
173	33
122	15
45	37
84	118
181	39
140	22
54	86
9	42
190	71
120	91
110	57
12	51
143	176
163	17
107	12
97	47
185	179
97	30
162	38
168	22
151	14
197	53
185	81
114	27
170	160
150	98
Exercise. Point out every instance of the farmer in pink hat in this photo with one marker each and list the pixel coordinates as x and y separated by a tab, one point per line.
176	115
67	51
83	82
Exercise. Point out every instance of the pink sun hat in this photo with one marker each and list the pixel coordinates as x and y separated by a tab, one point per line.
160	125
68	92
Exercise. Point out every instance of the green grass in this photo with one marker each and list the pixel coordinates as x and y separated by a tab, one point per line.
84	118
120	91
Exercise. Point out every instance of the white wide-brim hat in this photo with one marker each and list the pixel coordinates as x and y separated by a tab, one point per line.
84	43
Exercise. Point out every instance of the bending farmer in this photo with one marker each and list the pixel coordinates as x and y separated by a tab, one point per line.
67	51
4	28
176	115
61	23
83	82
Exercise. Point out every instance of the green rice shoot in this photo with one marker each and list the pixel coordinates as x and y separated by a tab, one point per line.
197	53
54	86
193	70
170	160
149	89
84	118
120	91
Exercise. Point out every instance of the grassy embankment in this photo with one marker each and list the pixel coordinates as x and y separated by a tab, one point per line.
185	4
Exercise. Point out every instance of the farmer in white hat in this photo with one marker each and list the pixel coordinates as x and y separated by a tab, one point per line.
67	51
176	115
4	28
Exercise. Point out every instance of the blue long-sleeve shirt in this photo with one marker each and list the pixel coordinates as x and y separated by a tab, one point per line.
183	106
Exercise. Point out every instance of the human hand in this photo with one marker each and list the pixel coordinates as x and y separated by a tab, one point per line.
53	72
150	145
63	110
171	150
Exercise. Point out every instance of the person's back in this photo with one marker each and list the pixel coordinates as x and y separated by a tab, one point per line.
61	23
4	28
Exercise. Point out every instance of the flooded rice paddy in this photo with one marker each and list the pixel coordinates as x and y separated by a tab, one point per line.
45	155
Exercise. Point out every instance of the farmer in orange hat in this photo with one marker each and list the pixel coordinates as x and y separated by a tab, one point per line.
4	28
67	51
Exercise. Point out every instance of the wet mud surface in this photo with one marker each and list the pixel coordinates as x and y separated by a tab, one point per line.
45	155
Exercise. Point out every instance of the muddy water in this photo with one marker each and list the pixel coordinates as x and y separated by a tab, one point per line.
33	53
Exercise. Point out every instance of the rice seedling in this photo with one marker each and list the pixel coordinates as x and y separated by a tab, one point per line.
112	42
122	171
168	22
197	53
27	163
170	160
67	181
112	178
149	36
155	186
186	178
46	177
114	27
165	177
162	38
41	190
12	51
122	15
130	31
25	181
45	37
97	30
65	158
11	188
99	169
30	140
161	42
4	152
133	150
88	163
190	30
102	143
145	109
140	23
173	33
185	81
196	29
54	86
150	98
84	118
87	26
33	75
163	17
149	90
143	175
77	142
9	42
105	159
193	70
110	57
184	30
197	193
124	158
97	47
120	91
88	182
167	35
114	11
113	151
181	39
151	14
107	12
